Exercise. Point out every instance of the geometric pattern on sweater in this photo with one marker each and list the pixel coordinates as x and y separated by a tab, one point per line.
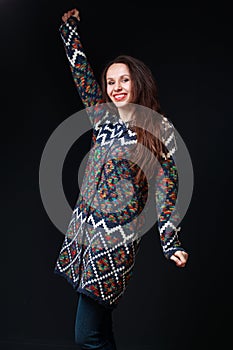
97	268
103	237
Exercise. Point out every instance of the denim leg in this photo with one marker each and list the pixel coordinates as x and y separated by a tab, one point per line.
93	325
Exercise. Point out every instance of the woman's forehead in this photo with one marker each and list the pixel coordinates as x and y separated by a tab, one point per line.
116	70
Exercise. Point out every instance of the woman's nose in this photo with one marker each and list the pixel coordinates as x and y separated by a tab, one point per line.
117	86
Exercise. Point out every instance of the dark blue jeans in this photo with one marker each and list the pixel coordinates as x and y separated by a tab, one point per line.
93	325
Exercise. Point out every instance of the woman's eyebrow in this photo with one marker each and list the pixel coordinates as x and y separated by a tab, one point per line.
121	76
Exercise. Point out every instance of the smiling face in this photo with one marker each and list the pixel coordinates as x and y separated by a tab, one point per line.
119	84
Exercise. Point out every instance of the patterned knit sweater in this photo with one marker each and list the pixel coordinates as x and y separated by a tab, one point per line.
103	237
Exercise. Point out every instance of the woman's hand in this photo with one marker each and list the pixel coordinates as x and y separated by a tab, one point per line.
73	12
180	258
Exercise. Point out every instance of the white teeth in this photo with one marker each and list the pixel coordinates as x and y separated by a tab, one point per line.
119	96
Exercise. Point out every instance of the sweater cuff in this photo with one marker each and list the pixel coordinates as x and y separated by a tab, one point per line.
171	251
72	20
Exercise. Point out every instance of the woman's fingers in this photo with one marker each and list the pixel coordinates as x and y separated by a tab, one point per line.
68	14
180	258
75	13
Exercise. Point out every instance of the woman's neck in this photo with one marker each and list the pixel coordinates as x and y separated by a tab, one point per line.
126	112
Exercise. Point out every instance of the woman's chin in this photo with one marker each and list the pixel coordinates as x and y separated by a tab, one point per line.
120	104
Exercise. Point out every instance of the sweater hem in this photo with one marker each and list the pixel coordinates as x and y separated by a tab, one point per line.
96	298
84	291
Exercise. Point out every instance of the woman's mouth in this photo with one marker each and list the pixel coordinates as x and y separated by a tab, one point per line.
120	97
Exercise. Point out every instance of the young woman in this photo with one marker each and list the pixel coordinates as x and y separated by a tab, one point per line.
103	237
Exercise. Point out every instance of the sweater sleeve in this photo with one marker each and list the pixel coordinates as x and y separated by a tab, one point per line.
83	76
166	194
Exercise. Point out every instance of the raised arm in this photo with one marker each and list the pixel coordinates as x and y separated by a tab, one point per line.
84	79
166	199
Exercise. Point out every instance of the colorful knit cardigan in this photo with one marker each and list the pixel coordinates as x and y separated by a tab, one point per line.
99	249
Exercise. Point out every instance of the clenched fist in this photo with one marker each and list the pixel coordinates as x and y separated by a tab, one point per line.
73	12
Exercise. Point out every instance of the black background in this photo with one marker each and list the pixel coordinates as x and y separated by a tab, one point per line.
189	50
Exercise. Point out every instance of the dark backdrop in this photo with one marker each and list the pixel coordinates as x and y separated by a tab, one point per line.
189	50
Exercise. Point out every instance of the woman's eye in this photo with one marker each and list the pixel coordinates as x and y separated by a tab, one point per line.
125	80
110	82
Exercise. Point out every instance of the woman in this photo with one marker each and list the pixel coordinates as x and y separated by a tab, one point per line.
104	234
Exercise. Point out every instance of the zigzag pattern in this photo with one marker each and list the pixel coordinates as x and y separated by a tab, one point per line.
73	59
109	132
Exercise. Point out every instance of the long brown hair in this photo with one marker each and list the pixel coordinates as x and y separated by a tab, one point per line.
144	93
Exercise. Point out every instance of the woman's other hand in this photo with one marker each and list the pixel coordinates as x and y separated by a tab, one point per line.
74	12
180	258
